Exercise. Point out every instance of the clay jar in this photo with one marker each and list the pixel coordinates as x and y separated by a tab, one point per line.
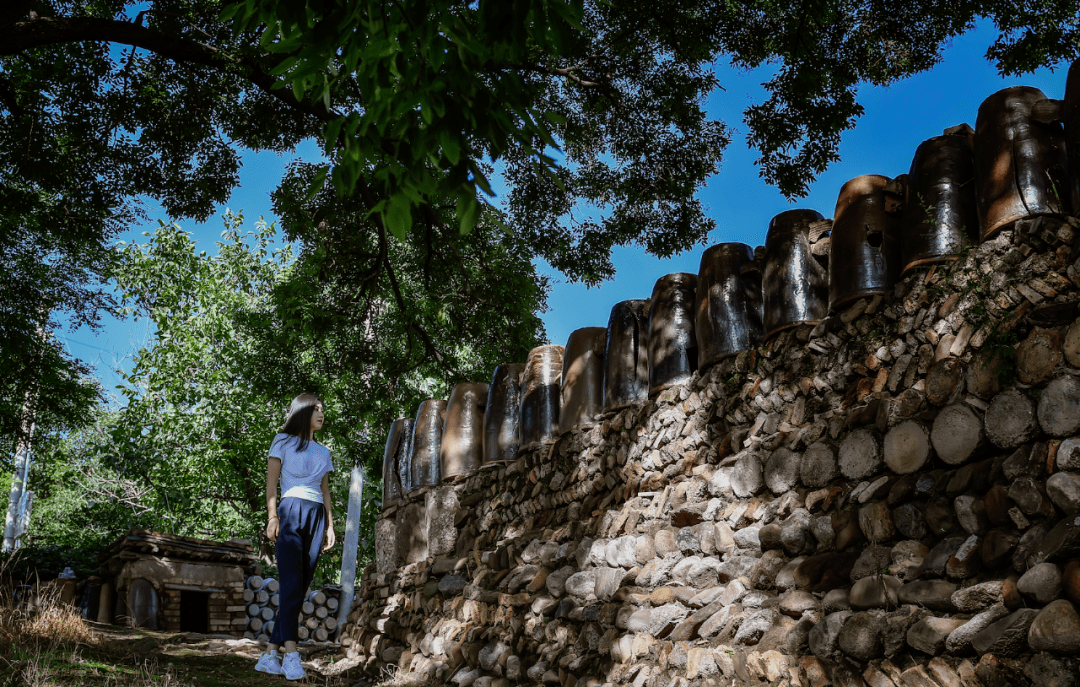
1020	165
626	356
1072	131
502	420
672	342
398	452
540	395
728	314
143	604
864	257
582	378
939	215
795	286
427	440
462	449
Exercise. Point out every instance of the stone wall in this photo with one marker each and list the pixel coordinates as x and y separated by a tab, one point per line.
888	498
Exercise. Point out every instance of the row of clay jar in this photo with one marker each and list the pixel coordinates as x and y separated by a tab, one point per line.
962	186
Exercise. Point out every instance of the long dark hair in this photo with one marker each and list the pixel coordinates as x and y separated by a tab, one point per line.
298	422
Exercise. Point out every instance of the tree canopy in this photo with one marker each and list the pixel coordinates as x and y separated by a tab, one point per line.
592	113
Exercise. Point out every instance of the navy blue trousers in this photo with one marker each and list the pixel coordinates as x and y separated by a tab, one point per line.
300	536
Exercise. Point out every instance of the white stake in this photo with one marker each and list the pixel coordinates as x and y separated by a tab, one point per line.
351	544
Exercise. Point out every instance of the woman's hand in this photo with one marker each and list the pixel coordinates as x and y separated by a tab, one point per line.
330	538
272	529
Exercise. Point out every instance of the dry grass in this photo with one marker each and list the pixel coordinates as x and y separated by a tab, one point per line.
46	643
48	620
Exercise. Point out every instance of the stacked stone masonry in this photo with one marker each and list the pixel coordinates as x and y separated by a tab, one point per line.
888	497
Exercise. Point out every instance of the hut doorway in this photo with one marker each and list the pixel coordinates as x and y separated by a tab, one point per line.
194	611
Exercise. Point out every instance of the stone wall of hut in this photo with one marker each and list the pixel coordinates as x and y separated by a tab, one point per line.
888	495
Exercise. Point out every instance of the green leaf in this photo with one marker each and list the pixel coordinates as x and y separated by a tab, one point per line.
317	183
397	217
468	211
449	146
284	66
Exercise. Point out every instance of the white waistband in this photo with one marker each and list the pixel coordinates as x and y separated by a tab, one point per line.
306	493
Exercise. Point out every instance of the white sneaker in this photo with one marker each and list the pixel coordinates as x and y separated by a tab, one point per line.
268	664
291	668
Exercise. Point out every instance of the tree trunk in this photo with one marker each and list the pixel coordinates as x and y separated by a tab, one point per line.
1059	407
1038	355
1010	420
983	377
944	381
957	434
907	447
22	469
860	454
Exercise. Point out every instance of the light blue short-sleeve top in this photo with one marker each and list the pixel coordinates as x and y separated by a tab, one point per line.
301	471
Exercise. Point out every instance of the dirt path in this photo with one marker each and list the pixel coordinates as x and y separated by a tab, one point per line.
209	660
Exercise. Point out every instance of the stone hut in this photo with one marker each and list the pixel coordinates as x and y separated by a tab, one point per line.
168	582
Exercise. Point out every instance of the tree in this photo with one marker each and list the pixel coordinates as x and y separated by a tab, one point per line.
592	111
240	333
81	503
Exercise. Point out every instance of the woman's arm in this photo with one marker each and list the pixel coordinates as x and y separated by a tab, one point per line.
330	537
273	471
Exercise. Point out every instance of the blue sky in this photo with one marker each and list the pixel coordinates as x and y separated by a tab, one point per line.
896	120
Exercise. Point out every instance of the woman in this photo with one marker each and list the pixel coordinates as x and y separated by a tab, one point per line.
299	525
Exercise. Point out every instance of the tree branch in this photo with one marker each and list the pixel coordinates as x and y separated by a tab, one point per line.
46	31
420	331
566	72
13	10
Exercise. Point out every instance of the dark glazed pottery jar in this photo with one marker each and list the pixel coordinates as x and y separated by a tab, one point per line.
728	311
626	356
672	342
502	421
864	257
404	457
1020	164
427	440
398	452
939	216
540	395
795	286
1072	132
462	448
582	378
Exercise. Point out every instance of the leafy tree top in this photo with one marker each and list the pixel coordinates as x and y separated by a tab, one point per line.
592	110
